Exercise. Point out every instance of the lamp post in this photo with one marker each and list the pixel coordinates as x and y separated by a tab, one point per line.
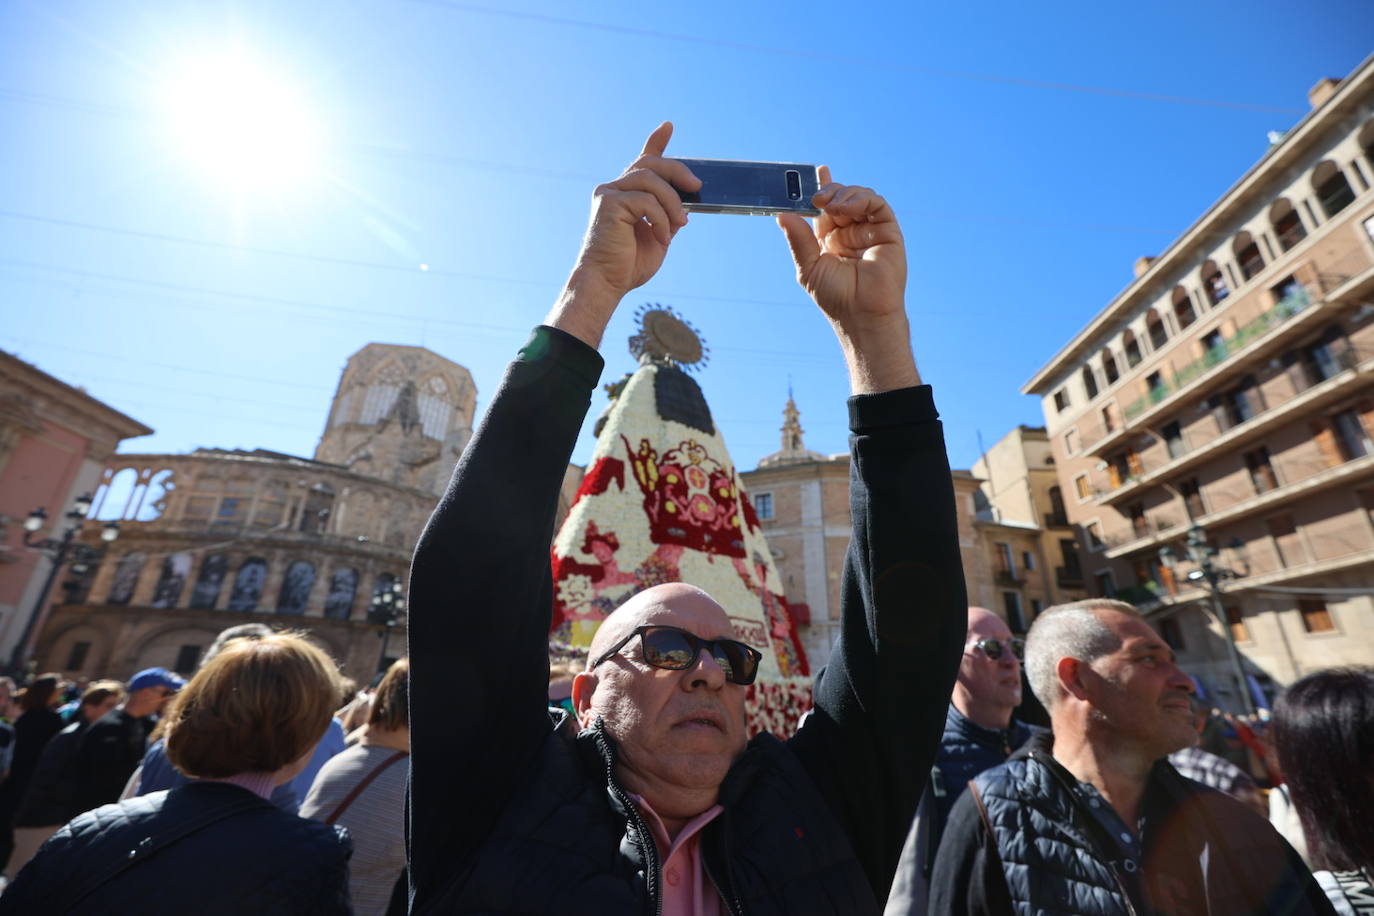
1204	555
388	606
59	550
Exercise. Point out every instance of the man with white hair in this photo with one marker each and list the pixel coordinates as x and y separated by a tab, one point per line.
1093	819
980	733
650	797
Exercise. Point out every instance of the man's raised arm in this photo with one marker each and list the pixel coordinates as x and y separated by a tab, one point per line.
480	592
881	700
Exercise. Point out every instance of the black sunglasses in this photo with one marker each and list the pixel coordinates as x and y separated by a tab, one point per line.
993	648
677	650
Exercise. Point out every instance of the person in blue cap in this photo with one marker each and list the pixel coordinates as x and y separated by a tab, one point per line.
113	746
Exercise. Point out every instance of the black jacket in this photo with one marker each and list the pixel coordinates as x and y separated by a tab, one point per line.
111	749
32	731
1023	839
480	610
51	796
206	848
966	749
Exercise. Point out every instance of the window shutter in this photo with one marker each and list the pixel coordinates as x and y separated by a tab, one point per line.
1326	441
1133	460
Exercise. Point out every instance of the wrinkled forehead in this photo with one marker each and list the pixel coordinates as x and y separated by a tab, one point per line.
672	606
987	626
1128	627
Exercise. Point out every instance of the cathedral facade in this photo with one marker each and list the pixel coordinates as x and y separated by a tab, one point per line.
218	537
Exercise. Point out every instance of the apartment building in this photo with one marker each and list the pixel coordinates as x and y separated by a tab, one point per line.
1230	388
1023	528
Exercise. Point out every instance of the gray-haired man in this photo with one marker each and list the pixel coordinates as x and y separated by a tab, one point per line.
1093	819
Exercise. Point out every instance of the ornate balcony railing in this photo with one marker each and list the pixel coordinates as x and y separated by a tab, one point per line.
1286	308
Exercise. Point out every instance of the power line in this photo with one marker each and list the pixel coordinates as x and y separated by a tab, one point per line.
254	297
160	365
849	61
391	317
352	262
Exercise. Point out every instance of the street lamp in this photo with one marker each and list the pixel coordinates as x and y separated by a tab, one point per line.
59	550
1204	555
388	606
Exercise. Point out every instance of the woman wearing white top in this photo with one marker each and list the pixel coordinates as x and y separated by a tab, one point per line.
363	788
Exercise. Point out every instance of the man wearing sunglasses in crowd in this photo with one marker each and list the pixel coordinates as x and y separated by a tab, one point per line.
980	733
648	797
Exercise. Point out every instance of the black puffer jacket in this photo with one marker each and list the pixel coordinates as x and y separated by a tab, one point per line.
206	848
776	848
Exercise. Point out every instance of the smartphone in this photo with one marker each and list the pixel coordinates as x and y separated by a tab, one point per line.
753	188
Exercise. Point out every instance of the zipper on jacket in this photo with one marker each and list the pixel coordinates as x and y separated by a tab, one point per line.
731	903
648	847
1090	824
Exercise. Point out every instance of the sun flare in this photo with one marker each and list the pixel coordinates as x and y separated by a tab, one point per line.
242	124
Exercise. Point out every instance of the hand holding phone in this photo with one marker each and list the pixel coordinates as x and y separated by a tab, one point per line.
853	263
751	188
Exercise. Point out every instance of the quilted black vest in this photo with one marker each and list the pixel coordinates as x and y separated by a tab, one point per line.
573	842
1050	861
1205	852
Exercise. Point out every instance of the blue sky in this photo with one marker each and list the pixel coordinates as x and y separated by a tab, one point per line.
1032	152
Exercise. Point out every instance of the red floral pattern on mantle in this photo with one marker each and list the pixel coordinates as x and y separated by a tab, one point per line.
690	498
684	518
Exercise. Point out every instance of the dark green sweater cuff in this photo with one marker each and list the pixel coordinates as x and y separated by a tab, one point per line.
548	344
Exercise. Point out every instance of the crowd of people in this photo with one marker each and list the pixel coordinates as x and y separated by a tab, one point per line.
477	777
224	793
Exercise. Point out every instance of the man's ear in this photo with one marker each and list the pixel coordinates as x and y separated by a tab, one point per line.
1070	672
583	686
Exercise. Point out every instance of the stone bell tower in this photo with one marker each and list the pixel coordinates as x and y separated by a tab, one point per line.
401	414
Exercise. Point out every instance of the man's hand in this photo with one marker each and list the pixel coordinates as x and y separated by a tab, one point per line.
854	265
634	219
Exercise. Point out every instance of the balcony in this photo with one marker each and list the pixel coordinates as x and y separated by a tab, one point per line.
1142	596
1145	531
235	531
1255	340
1347	473
1352	365
1066	577
1326	568
1287	307
1011	578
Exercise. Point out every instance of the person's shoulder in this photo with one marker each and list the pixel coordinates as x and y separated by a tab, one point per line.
111	721
105	821
292	834
1229	815
334	735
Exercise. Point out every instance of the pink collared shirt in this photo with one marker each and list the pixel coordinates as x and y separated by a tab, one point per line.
685	888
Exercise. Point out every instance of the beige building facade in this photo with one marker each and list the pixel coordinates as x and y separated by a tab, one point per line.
1229	388
218	537
1024	528
802	501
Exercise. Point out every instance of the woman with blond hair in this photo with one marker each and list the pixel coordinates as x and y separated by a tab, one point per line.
364	789
245	723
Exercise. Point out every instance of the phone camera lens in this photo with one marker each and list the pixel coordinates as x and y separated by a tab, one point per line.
793	185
